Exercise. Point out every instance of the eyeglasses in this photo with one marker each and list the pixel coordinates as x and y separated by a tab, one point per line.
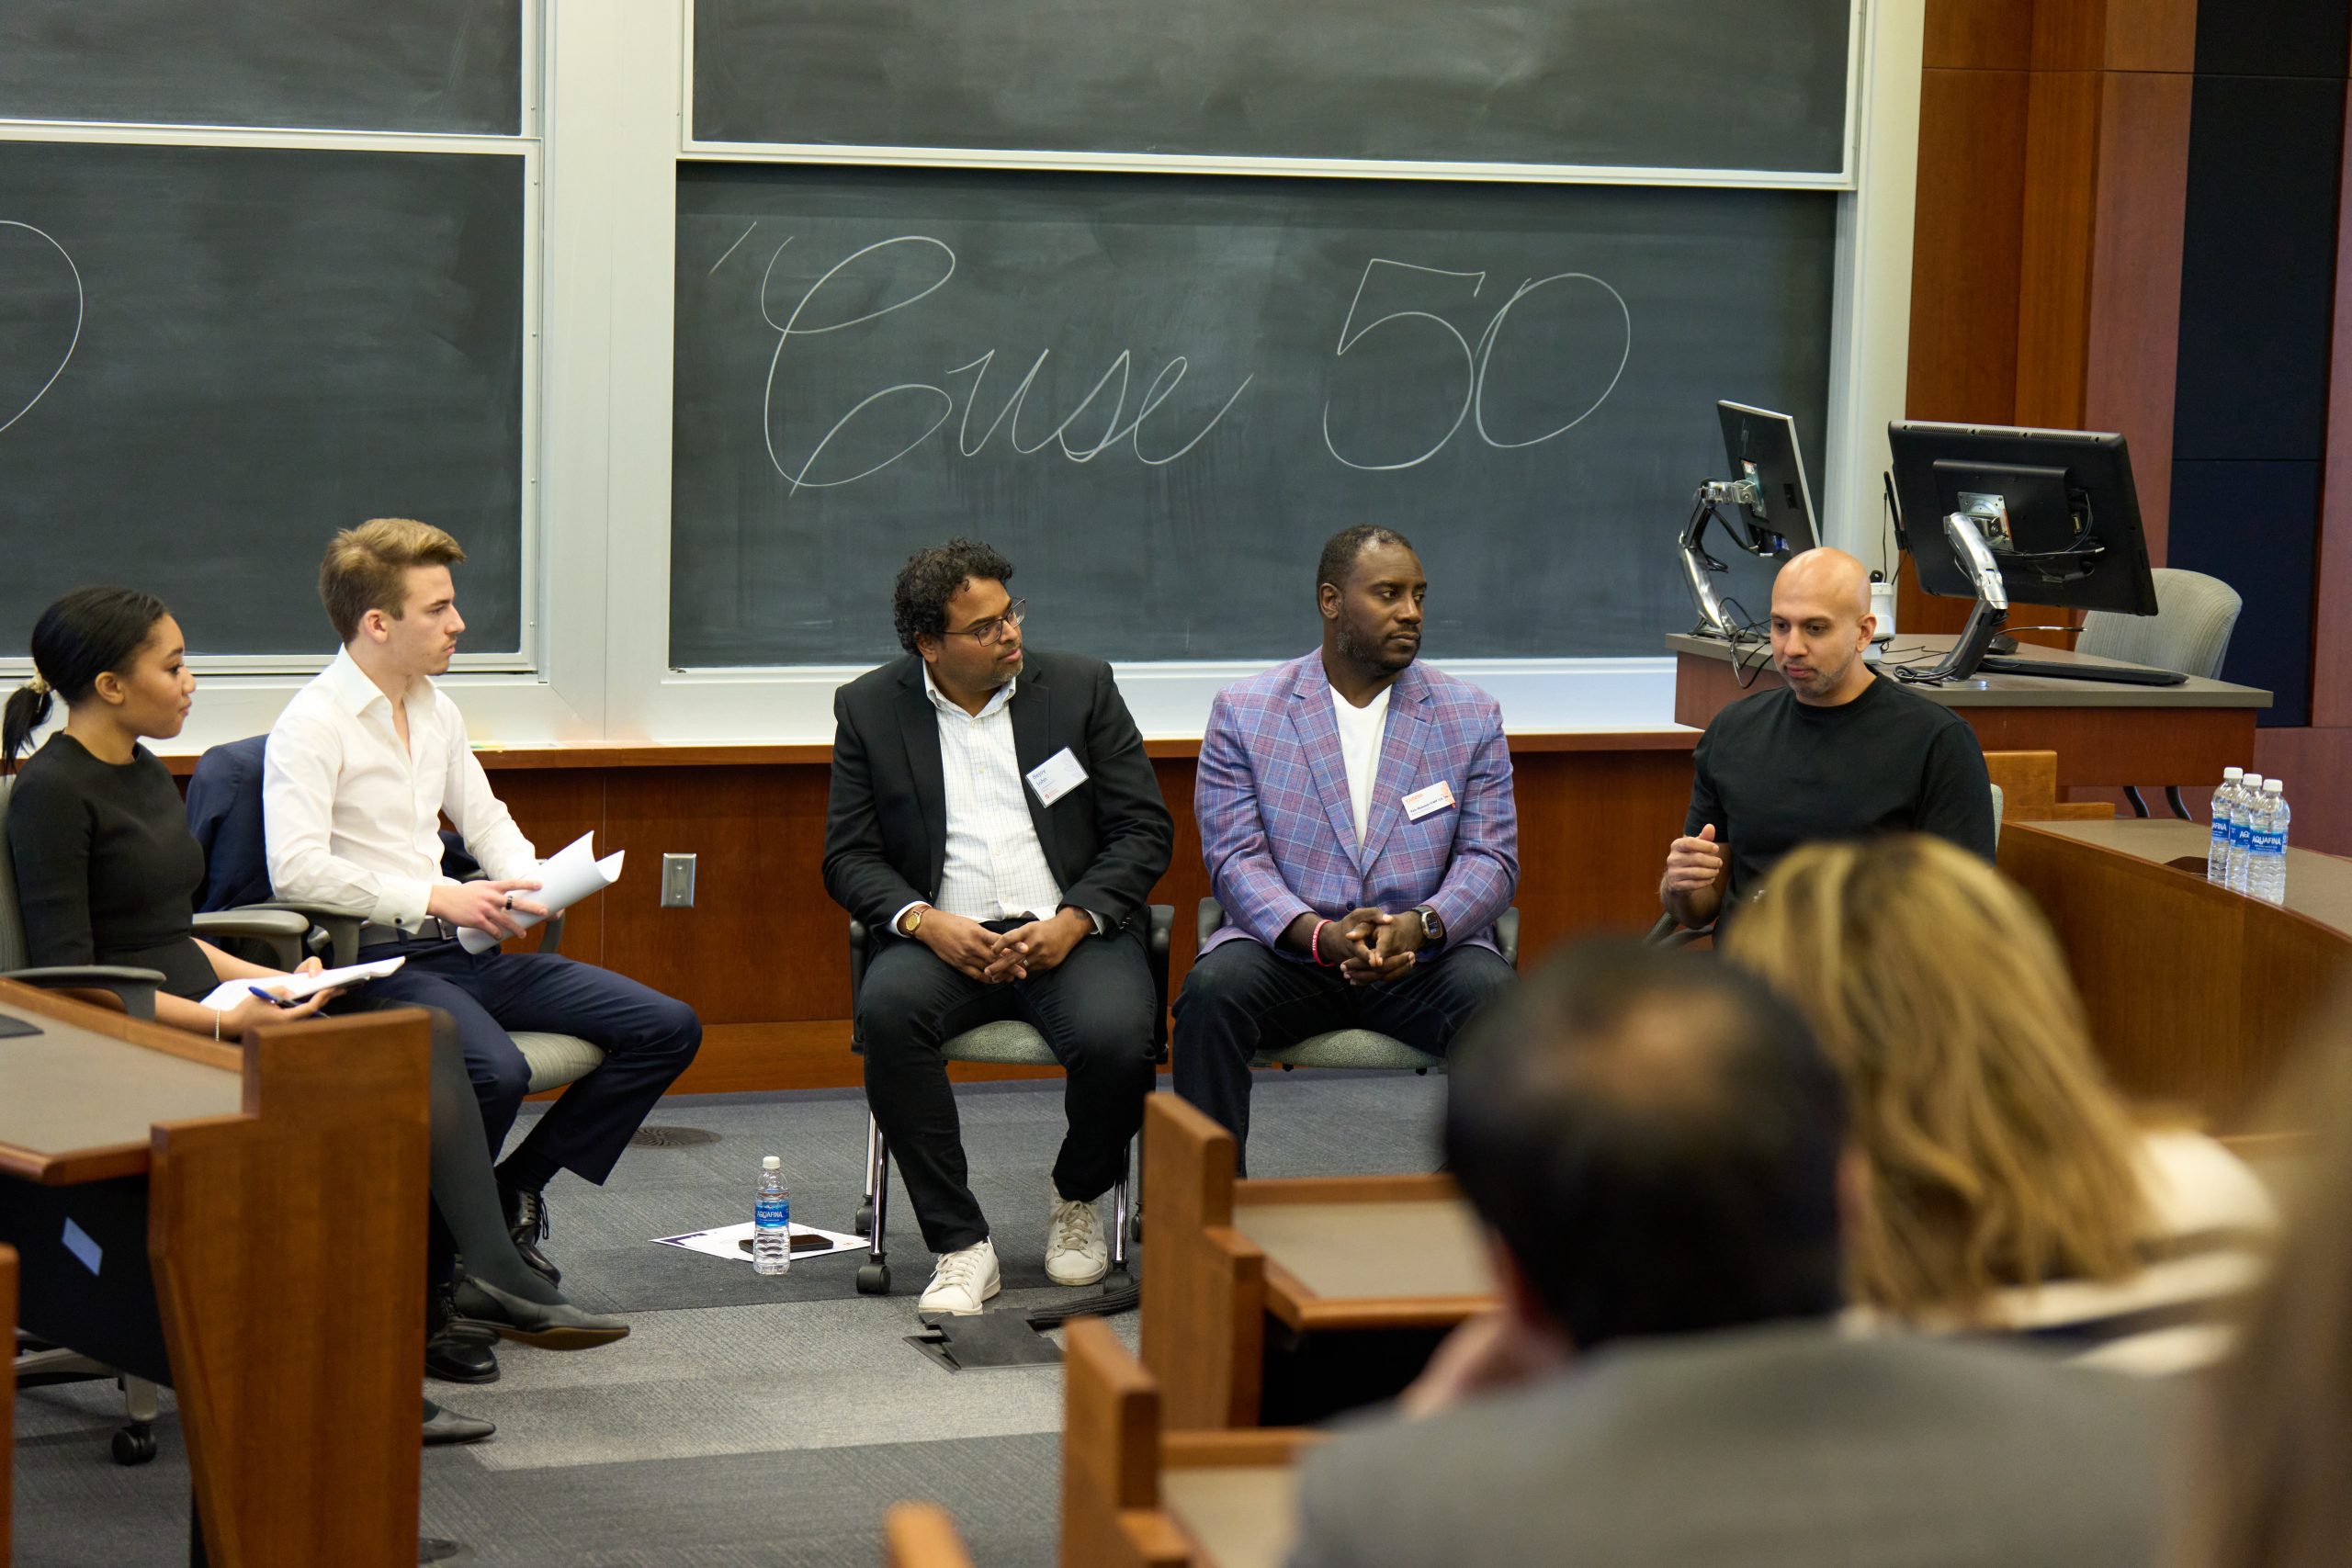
991	632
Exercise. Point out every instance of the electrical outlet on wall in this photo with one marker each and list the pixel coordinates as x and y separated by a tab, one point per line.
677	882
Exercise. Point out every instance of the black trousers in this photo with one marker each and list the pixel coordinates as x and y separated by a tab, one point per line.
1094	1011
648	1039
1243	998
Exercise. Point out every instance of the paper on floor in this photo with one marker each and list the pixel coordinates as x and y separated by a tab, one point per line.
727	1242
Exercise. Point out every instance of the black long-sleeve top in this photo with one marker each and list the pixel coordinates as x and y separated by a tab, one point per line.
107	869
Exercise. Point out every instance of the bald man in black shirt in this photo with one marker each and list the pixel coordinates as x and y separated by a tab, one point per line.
1836	753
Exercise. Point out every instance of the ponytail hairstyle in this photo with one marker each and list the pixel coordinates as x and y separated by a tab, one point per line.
77	640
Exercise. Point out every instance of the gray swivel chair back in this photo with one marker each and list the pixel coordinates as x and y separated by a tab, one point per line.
2189	632
1364	1050
134	988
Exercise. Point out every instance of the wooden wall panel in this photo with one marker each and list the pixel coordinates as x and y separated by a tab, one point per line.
2331	630
1969	231
2133	338
2055	270
1978	35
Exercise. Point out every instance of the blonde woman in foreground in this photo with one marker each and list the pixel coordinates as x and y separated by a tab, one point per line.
2275	1470
2010	1187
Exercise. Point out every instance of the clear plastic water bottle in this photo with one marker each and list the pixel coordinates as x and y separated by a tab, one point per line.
2267	879
772	1221
2242	827
2217	851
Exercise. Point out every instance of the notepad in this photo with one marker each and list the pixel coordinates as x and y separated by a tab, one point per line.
296	987
570	875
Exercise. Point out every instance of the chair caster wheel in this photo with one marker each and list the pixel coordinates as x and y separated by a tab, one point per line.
874	1280
864	1223
134	1444
1135	1230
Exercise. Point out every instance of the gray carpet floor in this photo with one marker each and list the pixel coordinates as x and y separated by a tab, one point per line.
745	1421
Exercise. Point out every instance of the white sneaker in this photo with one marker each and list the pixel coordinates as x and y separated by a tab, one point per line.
1076	1250
963	1279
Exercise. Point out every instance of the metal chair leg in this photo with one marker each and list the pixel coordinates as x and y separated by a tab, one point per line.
874	1276
865	1224
1119	1219
2131	793
2179	806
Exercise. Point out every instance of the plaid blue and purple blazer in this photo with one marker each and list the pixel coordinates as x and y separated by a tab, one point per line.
1278	831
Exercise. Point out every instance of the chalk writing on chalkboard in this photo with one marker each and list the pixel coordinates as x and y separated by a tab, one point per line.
811	316
35	255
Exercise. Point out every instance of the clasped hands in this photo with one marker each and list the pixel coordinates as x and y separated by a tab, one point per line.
994	957
1369	945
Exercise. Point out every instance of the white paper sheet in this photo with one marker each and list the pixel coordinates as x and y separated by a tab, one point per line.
294	987
567	877
727	1242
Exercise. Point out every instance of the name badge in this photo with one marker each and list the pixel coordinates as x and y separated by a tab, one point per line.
1056	776
1438	796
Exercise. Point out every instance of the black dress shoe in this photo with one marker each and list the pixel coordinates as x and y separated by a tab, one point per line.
526	1221
560	1327
455	1350
448	1426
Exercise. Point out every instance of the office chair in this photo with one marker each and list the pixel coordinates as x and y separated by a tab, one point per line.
134	1441
2189	632
1361	1049
224	812
1006	1042
1666	933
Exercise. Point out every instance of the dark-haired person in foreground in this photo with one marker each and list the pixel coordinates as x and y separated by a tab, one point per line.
1358	823
360	769
995	823
106	871
1656	1144
1836	752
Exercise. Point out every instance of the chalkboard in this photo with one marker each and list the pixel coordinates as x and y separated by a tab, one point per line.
1159	394
212	357
427	65
1674	84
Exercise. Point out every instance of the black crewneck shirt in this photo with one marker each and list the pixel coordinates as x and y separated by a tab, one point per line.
107	869
1773	773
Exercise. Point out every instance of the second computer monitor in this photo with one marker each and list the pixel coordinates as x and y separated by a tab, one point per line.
2056	507
1762	447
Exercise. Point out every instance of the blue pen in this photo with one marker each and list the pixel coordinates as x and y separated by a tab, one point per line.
274	1001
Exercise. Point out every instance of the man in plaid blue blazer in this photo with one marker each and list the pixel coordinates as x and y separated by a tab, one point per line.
1357	819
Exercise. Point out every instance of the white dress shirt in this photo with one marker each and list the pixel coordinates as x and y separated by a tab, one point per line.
994	866
353	818
1359	732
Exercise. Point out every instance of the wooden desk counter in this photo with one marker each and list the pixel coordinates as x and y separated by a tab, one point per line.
259	1209
2195	995
1239	1515
2105	735
1366	1259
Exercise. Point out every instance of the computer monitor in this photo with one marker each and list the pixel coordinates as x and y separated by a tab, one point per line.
1776	505
2056	510
1766	488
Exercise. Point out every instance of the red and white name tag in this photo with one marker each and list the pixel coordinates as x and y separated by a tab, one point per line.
1438	797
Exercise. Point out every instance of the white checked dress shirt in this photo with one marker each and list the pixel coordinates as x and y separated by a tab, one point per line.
354	818
994	868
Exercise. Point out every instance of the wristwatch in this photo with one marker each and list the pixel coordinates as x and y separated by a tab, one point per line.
1432	929
913	921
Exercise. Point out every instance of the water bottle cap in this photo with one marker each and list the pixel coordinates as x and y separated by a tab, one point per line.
770	1162
2274	786
2232	774
2254	780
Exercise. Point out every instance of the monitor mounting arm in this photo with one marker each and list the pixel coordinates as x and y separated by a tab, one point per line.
1992	605
1697	564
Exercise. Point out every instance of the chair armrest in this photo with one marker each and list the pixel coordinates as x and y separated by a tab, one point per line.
861	948
1667	933
1161	932
1211	917
334	935
134	988
1507	935
282	930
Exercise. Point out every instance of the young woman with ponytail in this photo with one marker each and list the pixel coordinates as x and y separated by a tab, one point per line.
107	873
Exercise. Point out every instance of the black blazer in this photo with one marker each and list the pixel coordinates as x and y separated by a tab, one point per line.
885	823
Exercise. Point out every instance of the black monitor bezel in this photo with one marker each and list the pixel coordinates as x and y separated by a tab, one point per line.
2098	462
1785	458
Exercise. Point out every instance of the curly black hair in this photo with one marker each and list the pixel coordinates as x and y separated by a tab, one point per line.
930	578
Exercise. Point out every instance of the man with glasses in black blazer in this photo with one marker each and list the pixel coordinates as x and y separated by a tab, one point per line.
995	823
